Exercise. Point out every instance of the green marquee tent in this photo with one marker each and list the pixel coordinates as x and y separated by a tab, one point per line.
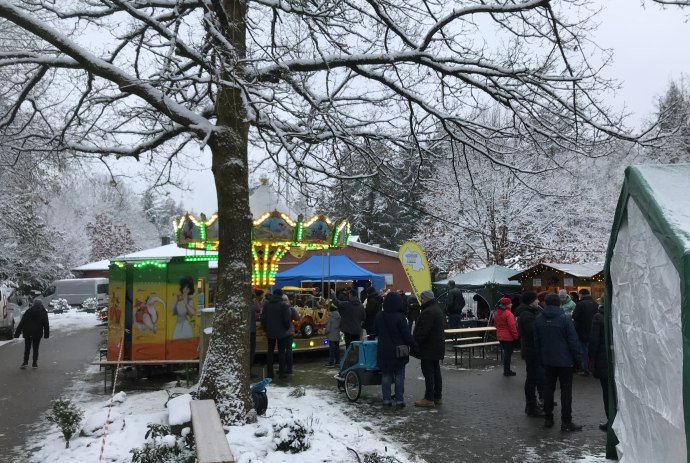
647	306
491	283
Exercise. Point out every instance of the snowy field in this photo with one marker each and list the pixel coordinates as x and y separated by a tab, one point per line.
336	437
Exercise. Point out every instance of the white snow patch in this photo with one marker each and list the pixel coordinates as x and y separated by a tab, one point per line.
95	422
179	411
72	320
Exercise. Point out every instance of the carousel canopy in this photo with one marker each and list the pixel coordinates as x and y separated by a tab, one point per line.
317	267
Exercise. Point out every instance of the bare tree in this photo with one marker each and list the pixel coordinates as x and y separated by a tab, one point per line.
307	80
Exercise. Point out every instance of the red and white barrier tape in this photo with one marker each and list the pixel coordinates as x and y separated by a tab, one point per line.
110	403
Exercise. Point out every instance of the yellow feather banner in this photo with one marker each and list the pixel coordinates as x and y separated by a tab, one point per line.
416	267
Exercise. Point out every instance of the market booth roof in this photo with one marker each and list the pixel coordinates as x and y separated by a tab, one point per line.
341	268
590	270
647	307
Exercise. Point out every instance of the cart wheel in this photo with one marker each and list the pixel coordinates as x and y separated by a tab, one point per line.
341	385
307	330
353	386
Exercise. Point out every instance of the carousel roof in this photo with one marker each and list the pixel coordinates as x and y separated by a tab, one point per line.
264	199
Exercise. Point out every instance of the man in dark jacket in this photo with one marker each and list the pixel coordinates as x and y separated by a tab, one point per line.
275	318
34	325
393	332
352	315
598	361
534	378
374	305
555	341
428	334
583	314
455	302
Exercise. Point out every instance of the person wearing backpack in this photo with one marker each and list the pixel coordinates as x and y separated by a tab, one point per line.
34	326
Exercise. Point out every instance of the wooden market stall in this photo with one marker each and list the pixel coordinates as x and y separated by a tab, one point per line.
553	277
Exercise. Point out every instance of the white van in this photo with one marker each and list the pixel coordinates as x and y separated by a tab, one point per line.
76	291
12	306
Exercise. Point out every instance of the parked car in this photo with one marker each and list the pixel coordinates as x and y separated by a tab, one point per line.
77	290
12	307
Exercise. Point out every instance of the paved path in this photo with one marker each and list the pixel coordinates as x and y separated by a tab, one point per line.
26	394
482	417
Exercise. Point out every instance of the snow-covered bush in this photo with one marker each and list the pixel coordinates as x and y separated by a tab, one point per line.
292	436
162	446
67	416
59	305
89	305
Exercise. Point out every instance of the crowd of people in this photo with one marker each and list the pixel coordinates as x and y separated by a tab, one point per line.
557	335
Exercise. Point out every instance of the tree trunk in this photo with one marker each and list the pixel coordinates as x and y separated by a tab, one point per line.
225	373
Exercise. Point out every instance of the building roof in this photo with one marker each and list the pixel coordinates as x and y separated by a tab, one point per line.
354	242
159	253
587	270
492	275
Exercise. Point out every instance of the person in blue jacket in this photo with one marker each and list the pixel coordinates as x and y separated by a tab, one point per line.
557	347
393	331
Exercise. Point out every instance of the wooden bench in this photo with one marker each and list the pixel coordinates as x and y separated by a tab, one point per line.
211	443
112	366
470	348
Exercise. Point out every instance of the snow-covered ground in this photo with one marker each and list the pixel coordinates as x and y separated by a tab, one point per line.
334	433
72	320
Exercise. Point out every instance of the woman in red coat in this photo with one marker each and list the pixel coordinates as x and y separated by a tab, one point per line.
506	332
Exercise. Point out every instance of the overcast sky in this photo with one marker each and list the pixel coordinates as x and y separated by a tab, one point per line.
651	48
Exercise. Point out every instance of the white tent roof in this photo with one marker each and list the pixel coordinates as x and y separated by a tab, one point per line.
494	274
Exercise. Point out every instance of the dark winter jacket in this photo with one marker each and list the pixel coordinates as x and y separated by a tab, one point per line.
352	315
413	310
428	333
520	308
252	318
374	305
597	345
34	322
555	338
392	330
455	302
275	317
582	317
525	323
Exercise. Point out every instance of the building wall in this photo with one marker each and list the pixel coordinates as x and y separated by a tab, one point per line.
372	261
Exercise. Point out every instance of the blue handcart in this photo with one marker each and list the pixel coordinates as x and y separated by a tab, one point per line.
358	368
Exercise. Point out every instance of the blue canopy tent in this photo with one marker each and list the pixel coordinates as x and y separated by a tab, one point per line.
317	267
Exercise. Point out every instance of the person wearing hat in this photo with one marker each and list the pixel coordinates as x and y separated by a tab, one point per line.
567	303
430	339
393	334
534	374
555	341
506	332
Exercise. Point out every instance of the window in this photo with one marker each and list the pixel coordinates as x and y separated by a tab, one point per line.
102	288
